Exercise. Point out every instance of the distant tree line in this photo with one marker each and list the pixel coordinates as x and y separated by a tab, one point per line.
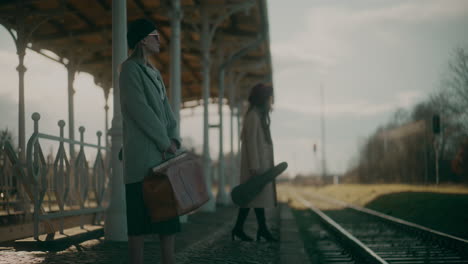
404	149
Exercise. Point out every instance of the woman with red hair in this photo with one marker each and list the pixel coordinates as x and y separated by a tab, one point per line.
256	158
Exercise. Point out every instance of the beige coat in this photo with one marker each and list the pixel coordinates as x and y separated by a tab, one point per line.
257	154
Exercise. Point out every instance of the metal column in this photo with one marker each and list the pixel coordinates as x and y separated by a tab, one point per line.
71	70
175	67
21	42
210	206
116	221
232	167
175	82
21	39
106	118
207	33
240	110
221	196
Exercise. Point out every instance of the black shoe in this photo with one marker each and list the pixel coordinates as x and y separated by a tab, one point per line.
239	233
264	233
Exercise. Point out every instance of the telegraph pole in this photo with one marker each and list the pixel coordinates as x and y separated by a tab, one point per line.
322	124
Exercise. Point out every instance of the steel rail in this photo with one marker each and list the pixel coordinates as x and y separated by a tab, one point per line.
362	250
457	243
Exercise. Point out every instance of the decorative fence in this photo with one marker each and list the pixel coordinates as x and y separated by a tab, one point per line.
49	191
12	194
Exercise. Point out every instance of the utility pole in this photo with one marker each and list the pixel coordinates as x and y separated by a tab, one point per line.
322	125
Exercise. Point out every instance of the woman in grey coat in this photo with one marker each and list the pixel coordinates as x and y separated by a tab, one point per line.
256	158
149	134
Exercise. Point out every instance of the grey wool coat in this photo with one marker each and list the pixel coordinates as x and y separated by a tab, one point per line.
148	121
257	154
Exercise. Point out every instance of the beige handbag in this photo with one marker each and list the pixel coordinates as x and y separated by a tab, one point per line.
174	188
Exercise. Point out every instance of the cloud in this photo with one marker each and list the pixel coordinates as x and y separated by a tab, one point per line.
295	132
46	93
361	107
8	117
330	33
410	11
372	57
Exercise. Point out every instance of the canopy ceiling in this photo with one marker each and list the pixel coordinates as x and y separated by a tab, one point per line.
80	31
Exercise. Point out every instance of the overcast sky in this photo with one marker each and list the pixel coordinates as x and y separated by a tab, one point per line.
370	56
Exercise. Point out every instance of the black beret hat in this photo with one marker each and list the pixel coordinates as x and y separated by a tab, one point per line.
138	30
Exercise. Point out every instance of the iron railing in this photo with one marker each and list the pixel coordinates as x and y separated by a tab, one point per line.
55	187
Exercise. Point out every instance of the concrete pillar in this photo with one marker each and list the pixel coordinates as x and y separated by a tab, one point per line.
210	206
116	221
71	71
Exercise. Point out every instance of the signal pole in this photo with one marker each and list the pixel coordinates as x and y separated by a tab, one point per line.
436	131
316	160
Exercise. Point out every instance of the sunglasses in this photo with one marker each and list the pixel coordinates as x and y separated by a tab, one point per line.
155	35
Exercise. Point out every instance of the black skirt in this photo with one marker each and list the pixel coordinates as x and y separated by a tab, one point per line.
138	219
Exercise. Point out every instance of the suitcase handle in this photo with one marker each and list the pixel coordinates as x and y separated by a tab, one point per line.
168	162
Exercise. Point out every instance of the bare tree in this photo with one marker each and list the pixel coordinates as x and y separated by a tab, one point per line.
453	96
457	80
6	136
406	158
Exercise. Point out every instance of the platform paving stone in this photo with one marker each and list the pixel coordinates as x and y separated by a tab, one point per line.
292	247
206	238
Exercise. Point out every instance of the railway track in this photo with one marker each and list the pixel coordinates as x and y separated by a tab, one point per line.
366	236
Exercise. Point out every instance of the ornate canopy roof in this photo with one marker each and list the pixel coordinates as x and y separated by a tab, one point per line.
79	32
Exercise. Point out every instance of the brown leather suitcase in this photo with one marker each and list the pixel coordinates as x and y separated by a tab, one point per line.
175	188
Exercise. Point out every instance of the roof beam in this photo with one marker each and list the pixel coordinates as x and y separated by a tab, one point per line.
104	5
91	31
184	61
76	33
26	5
96	55
80	15
51	12
14	2
75	46
87	20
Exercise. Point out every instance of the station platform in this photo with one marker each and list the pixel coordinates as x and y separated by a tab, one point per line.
205	238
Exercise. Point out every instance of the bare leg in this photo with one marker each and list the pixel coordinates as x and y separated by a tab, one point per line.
135	249
167	249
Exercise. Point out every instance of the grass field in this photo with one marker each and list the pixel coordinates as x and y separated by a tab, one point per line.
443	208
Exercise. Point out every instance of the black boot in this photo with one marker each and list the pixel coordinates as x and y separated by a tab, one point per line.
238	230
263	231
